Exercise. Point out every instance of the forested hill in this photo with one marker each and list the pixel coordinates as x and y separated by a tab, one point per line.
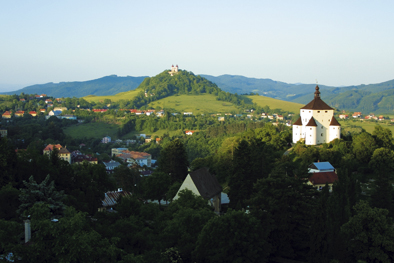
108	85
377	98
183	82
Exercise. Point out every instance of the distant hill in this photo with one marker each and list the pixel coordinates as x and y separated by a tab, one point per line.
377	98
108	85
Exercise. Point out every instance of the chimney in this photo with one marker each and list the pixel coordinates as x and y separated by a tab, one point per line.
27	230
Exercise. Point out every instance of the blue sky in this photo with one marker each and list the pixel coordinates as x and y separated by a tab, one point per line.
335	42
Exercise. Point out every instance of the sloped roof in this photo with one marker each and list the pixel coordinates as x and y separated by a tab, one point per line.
312	122
110	198
323	178
317	103
334	122
207	184
322	166
298	122
64	150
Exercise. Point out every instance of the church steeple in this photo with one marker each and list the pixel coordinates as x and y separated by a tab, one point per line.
317	92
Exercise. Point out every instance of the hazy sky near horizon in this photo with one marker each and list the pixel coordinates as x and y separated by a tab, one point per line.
336	42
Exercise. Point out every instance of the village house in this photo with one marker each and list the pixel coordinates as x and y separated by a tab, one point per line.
48	101
3	133
19	113
317	123
6	115
189	132
139	158
148	139
22	100
356	115
202	183
110	166
343	116
63	152
42	110
33	113
160	113
60	108
322	173
111	198
158	140
106	139
189	113
279	117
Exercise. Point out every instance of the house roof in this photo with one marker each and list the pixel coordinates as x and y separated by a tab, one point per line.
49	147
334	122
317	103
64	150
298	122
110	198
207	184
323	178
322	166
312	122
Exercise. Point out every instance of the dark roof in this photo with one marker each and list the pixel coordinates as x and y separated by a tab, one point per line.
298	122
323	178
334	122
64	150
207	184
317	103
312	122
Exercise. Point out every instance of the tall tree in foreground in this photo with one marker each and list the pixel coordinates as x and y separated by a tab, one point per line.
233	237
370	234
173	161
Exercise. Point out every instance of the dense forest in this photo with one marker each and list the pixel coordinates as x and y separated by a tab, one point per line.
273	214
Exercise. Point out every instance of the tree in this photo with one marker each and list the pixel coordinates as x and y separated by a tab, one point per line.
233	237
156	186
286	202
370	234
42	193
363	147
383	137
173	161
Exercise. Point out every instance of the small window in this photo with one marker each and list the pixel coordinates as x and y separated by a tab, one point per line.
318	111
328	120
309	111
322	127
322	134
311	128
326	111
310	135
302	110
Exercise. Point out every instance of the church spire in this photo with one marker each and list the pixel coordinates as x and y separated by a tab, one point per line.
317	92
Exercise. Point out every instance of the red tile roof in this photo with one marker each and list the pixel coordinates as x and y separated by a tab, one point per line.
323	178
298	122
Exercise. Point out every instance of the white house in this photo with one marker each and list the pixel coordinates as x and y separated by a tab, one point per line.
316	124
106	139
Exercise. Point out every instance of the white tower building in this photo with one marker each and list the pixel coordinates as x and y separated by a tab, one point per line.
316	124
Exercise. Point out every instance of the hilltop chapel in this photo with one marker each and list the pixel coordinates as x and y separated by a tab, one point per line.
316	124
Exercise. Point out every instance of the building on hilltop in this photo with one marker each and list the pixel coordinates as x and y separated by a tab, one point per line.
174	70
316	124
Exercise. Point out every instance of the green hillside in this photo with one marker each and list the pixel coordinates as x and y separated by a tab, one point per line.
108	85
128	95
276	104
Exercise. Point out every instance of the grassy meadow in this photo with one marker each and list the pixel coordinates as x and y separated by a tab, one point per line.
276	104
98	130
206	103
127	95
369	126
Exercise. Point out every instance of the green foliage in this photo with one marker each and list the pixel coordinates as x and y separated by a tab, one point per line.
173	161
370	234
233	237
42	193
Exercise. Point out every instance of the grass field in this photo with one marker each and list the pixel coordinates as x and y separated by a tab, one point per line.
369	126
127	95
276	104
206	103
99	129
92	130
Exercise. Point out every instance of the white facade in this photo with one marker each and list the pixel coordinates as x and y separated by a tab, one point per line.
317	123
